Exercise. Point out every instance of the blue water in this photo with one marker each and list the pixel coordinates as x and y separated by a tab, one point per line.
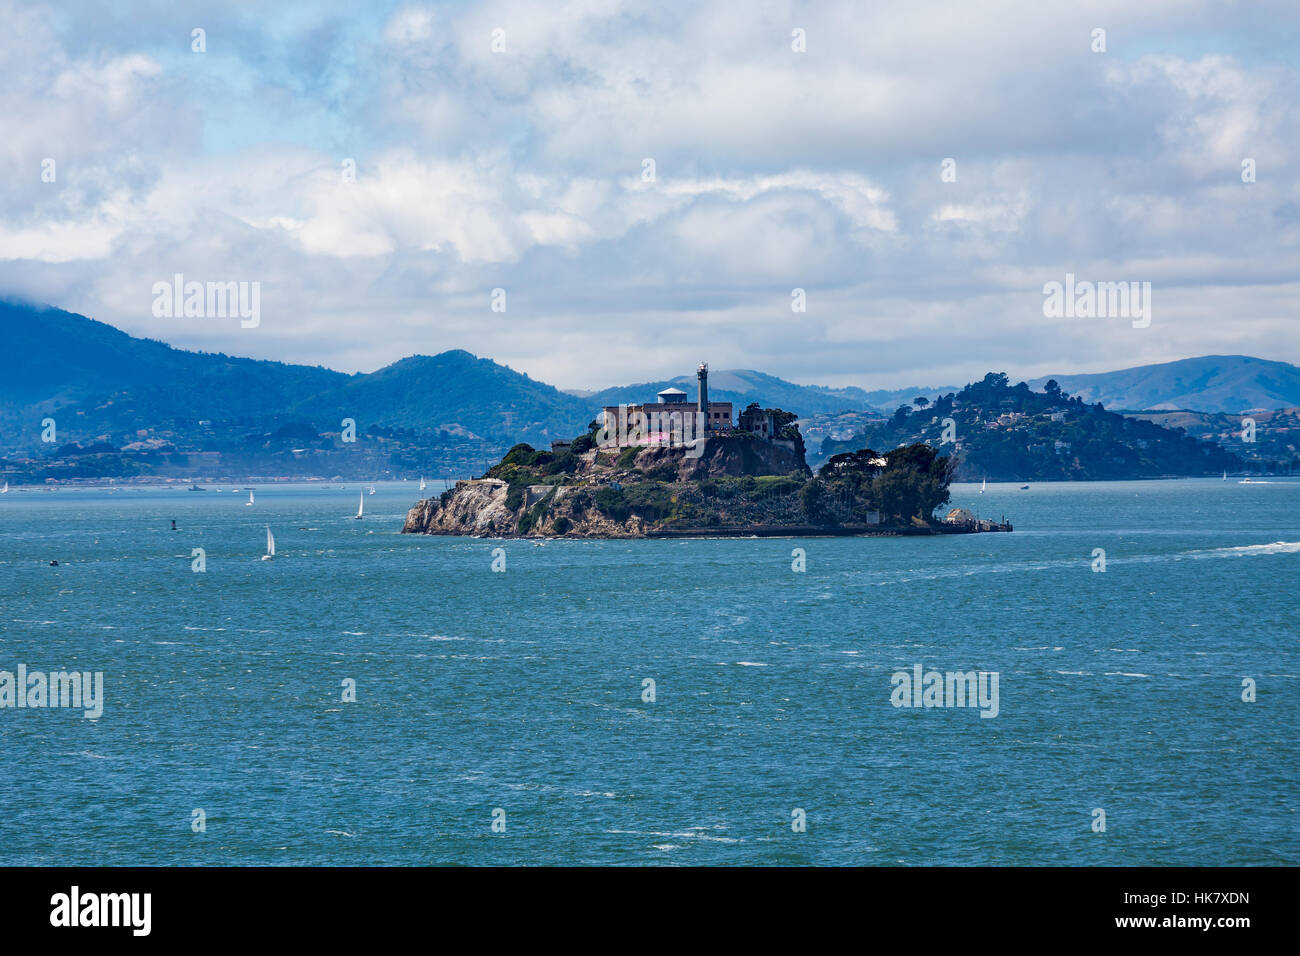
522	690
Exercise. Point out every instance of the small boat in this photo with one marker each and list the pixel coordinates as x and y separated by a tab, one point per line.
1024	487
422	484
270	545
983	485
5	489
196	488
361	506
1225	474
54	564
250	498
372	489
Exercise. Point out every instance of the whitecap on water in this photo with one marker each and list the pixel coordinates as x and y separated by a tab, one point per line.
1277	547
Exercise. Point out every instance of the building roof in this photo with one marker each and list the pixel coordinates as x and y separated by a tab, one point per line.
672	391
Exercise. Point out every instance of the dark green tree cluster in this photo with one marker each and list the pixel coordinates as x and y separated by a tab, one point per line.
911	484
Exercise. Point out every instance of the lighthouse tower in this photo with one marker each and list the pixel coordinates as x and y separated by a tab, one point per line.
702	374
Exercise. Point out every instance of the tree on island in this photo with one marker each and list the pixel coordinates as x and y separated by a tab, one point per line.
911	483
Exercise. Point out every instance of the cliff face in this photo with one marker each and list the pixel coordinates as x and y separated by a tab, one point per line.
735	458
481	508
473	507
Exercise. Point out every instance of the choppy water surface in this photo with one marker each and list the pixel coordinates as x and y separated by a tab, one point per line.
523	690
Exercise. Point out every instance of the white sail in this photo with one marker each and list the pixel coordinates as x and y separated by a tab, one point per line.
250	498
6	488
361	506
422	485
270	543
983	485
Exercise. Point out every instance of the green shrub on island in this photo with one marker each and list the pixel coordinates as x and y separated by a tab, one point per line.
664	471
812	498
652	501
515	494
628	455
524	461
612	504
777	484
521	454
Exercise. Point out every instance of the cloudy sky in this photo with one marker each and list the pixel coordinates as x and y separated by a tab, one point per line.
523	168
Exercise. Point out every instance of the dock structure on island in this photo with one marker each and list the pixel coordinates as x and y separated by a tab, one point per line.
964	519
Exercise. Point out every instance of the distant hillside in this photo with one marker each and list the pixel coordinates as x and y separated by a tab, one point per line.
1276	436
108	380
128	406
1011	433
1212	383
107	385
454	389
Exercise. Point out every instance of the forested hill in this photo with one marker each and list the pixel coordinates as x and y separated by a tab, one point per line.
1006	432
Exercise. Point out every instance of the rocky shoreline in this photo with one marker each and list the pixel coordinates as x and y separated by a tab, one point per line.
479	508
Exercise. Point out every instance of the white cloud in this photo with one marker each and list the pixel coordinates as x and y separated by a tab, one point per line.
774	169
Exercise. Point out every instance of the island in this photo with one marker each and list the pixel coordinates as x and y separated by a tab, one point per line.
679	469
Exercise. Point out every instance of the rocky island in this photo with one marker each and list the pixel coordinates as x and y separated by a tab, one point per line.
672	469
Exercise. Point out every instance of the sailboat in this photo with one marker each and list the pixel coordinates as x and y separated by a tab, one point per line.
1225	474
270	545
983	485
372	489
5	489
250	498
361	507
422	484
